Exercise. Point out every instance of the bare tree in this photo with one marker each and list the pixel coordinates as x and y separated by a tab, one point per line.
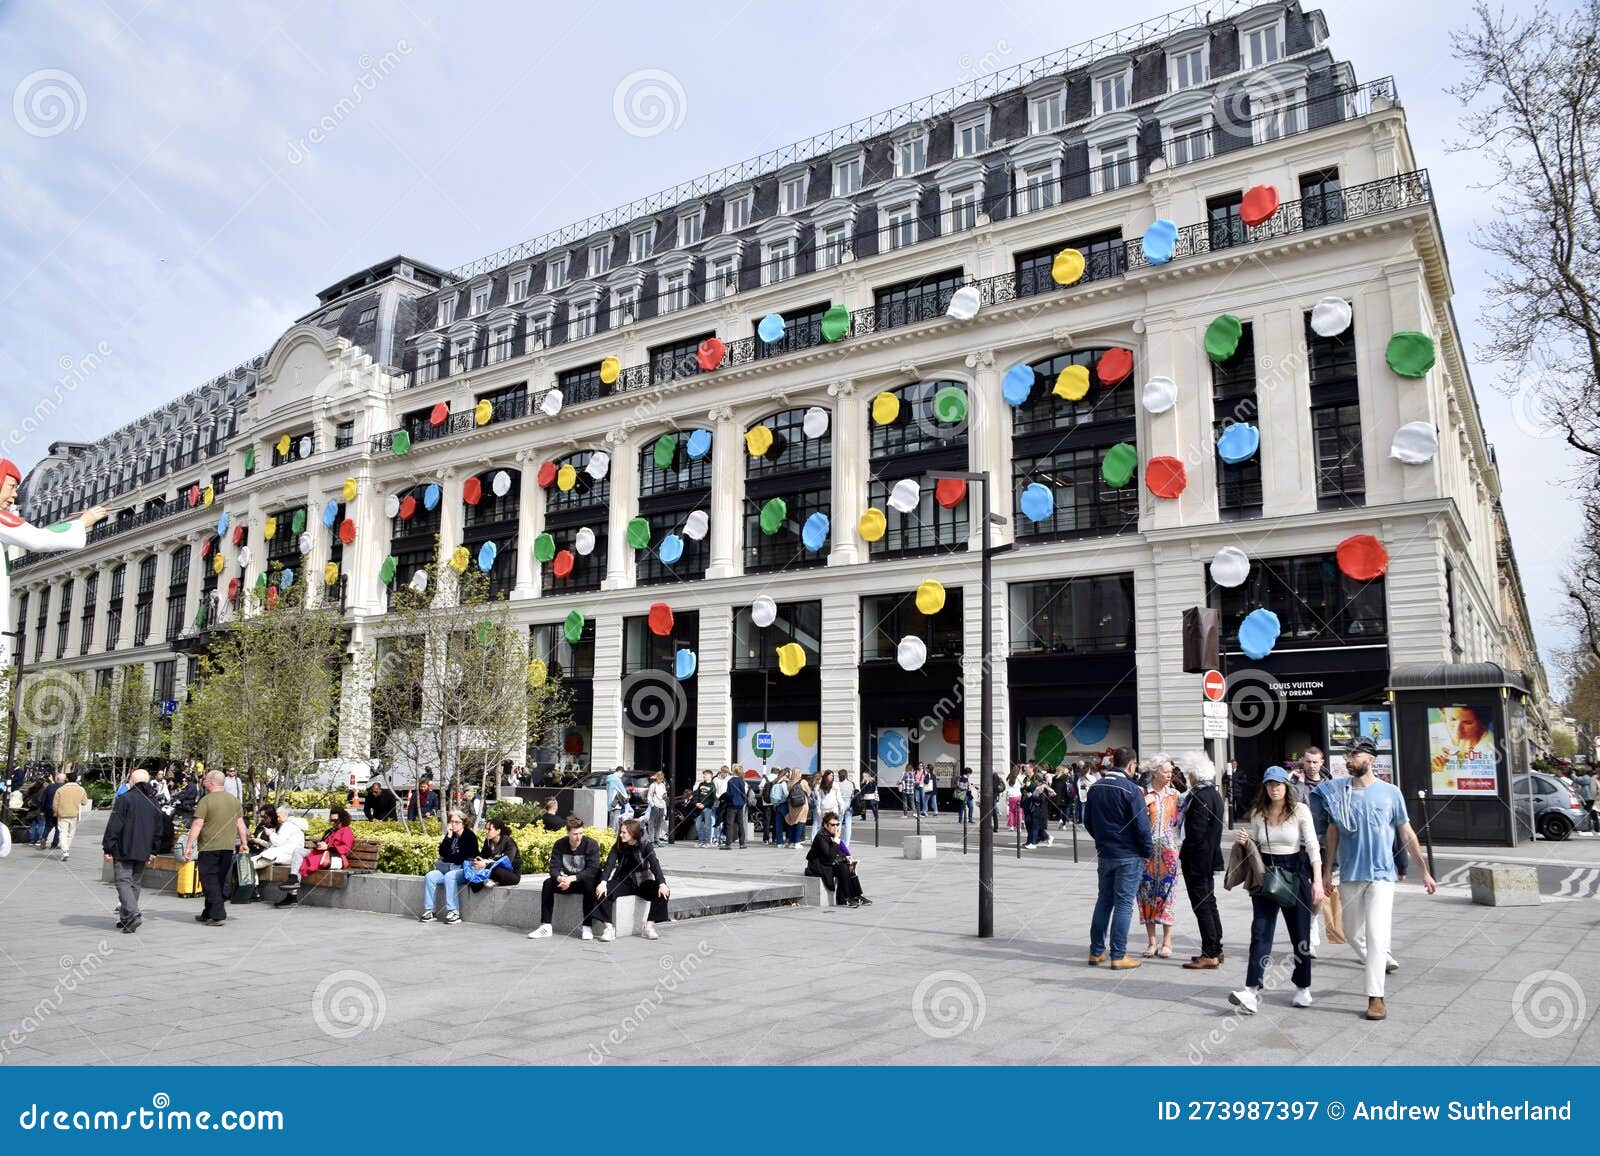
1532	99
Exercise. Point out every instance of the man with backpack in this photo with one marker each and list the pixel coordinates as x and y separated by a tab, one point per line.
136	830
776	797
731	807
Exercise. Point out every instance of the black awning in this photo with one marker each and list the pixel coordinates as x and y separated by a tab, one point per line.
1455	676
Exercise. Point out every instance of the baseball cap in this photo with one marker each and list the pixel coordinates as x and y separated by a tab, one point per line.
1362	746
1275	775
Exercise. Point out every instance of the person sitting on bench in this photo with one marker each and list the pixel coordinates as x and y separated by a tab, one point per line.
331	852
632	869
574	870
458	848
830	860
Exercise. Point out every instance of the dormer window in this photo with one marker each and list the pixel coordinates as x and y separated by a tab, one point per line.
580	322
972	133
480	299
1277	102
1112	90
910	154
792	192
557	272
447	310
624	305
1261	38
640	242
600	258
1046	111
736	210
847	175
689	228
1187	67
518	288
675	291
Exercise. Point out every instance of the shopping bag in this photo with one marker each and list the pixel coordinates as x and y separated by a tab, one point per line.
243	880
1333	917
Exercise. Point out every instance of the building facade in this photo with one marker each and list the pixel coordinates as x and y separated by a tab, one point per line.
623	380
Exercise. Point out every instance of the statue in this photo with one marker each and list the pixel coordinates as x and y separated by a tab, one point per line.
68	535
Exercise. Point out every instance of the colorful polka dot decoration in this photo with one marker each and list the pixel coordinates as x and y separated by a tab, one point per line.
408	507
431	494
350	489
460	559
598	465
572	627
1258	633
665	451
638	533
386	571
758	440
1159	395
670	551
699	444
930	596
911	653
544	548
950	492
1160	241
1072	383
660	619
791	658
347	531
1258	204
610	370
1067	268
1114	366
1165	477
1038	502
1238	443
566	478
283	444
835	323
872	524
1331	316
1362	558
696	525
710	354
1222	337
950	405
1118	466
583	542
906	495
885	408
773	515
770	329
439	414
1017	384
684	663
1415	442
472	490
1230	567
814	534
399	442
483	412
561	567
487	553
1410	354
964	303
269	529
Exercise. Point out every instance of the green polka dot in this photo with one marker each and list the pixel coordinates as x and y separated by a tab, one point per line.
1118	465
1222	337
773	514
298	524
400	443
638	533
835	323
544	548
1051	746
666	451
1410	354
572	628
386	571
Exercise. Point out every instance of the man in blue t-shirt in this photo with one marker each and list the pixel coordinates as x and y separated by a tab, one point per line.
1365	815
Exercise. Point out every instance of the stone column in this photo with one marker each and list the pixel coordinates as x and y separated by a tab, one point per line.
607	741
130	598
849	432
530	524
972	664
80	575
1288	461
624	505
191	596
158	595
102	596
840	665
988	449
451	519
714	705
727	495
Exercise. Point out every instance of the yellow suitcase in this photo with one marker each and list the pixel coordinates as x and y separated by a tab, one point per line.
188	879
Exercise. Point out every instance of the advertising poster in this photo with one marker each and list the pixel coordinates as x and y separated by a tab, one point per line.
1462	751
1342	726
1374	725
794	744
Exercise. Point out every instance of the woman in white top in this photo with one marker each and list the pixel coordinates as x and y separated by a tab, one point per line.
655	800
825	800
1287	839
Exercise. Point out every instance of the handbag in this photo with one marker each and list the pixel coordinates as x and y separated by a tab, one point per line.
1280	884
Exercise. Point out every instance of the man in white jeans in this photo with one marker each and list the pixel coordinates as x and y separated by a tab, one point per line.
1364	816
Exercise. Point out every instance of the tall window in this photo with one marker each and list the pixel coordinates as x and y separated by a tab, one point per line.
900	225
722	277
908	302
177	592
689	228
480	299
584	506
675	291
143	600
581	384
915	443
798	470
1111	92
1233	399
887	618
1187	68
1222	220
493	518
778	263
965	205
1045	112
1061	444
518	288
447	310
832	243
580	323
736	212
1190	142
1260	46
1115	169
412	540
802	329
64	618
644	649
1320	199
910	155
599	259
1073	615
1336	419
557	271
1038	187
640	242
972	135
792	194
667	496
164	682
91	591
676	359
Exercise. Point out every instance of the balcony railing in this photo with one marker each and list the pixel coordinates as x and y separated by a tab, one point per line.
1273	122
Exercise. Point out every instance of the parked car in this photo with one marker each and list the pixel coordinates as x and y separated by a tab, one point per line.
1556	810
636	782
334	774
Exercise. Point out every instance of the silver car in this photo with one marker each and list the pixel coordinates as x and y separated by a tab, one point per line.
1556	811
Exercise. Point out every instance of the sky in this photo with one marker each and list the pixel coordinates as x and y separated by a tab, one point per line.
177	181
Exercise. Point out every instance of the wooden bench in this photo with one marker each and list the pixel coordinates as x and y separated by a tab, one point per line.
362	861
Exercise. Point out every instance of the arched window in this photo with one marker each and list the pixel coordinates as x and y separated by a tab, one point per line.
1061	444
586	505
929	432
493	518
797	469
668	494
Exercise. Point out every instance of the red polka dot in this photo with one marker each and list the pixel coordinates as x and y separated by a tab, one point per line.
1113	366
1362	557
1165	477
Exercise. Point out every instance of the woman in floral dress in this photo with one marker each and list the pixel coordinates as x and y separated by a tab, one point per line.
1161	869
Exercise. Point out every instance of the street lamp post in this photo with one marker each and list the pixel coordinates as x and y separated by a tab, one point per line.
15	708
986	715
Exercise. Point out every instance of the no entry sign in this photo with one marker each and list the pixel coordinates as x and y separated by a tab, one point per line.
1213	685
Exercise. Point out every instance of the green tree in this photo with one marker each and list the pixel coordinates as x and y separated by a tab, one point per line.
133	715
452	685
267	696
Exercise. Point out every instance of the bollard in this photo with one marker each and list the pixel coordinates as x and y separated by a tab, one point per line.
1427	833
963	828
877	828
1018	830
1074	838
